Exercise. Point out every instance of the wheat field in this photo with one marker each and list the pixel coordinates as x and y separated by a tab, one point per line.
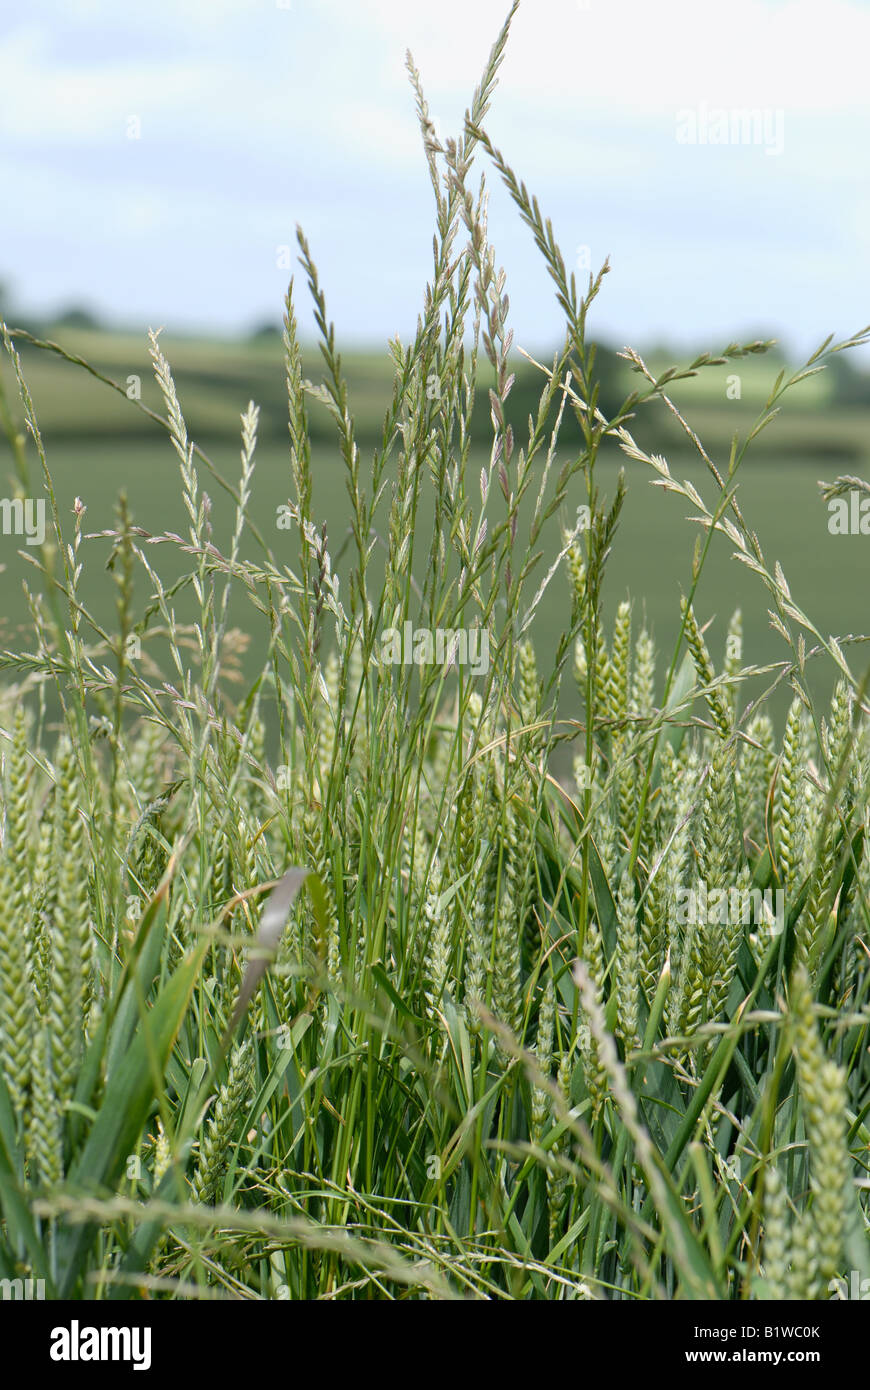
335	985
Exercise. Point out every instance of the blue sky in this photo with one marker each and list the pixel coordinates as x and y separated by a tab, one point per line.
255	116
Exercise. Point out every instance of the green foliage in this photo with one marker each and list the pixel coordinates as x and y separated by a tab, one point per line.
517	1038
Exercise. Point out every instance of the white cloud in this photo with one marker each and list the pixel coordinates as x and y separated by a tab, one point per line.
254	116
228	70
634	55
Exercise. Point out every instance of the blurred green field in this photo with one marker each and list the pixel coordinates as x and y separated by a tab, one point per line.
99	445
